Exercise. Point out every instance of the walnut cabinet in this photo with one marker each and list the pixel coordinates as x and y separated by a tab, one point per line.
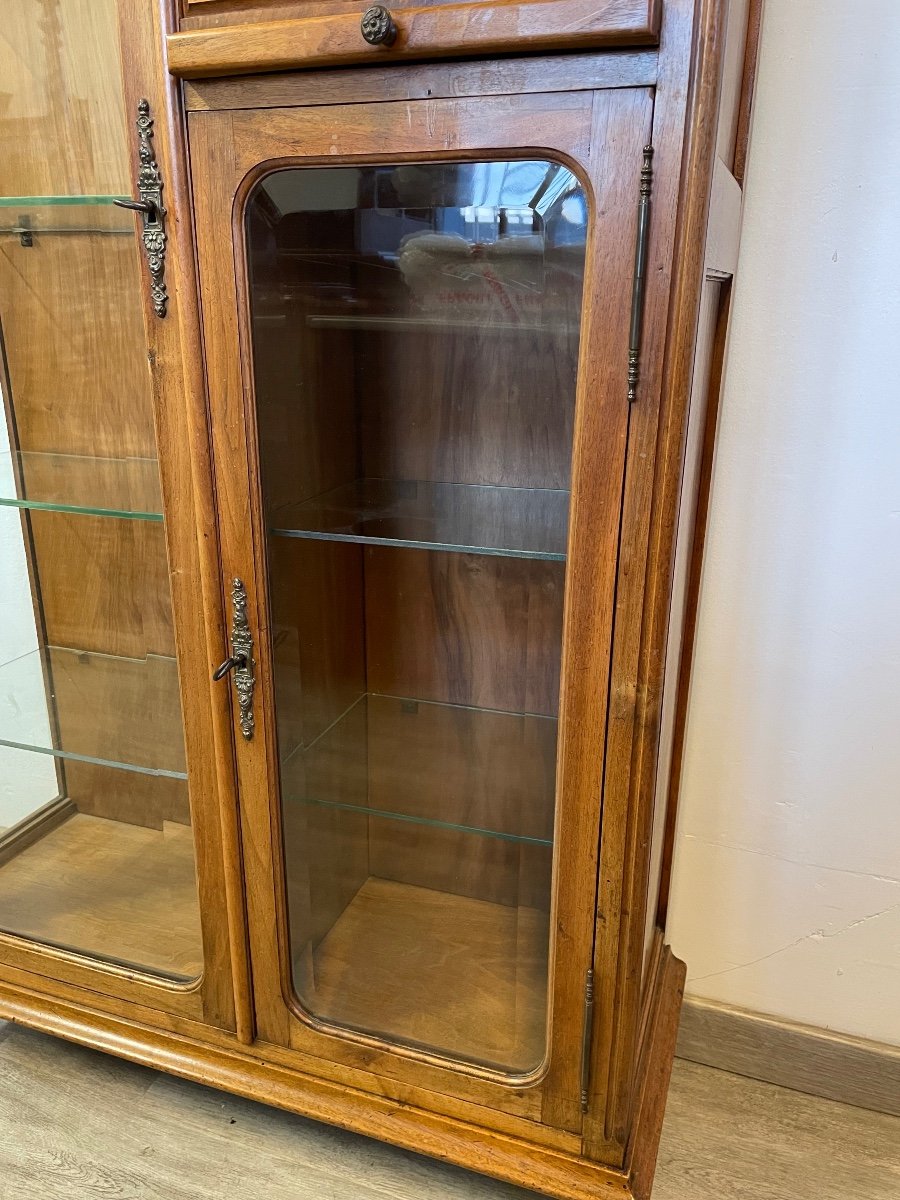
360	374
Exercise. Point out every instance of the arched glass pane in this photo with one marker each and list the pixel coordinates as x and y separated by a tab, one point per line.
415	344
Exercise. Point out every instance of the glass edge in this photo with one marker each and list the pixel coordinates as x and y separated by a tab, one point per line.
79	509
431	822
71	756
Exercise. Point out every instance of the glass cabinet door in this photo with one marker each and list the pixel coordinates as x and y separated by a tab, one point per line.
96	850
416	333
415	337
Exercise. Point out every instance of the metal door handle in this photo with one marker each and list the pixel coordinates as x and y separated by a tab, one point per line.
241	660
141	206
230	664
149	204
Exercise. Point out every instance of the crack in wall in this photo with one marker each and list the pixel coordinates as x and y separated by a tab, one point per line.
818	935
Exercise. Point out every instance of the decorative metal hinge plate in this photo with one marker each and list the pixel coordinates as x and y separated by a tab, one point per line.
587	1037
242	650
150	187
640	276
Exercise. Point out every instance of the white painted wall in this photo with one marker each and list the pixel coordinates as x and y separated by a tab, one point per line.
27	780
786	891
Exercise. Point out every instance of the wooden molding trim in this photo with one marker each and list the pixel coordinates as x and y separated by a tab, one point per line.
748	88
247	1071
430	81
35	826
656	1055
437	31
816	1061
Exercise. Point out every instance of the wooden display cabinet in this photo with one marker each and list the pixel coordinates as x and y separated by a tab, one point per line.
339	713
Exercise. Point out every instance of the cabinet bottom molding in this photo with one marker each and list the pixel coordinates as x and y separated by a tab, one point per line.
245	1072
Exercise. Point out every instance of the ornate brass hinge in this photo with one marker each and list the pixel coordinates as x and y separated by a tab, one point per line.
150	206
587	1037
640	276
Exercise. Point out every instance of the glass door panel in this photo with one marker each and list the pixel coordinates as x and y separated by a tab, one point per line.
96	851
415	344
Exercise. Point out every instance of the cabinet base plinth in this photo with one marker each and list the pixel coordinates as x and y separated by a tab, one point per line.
245	1072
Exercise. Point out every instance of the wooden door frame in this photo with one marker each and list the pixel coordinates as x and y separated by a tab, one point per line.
602	135
219	999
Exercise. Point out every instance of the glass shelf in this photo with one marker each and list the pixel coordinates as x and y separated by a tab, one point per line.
439	324
72	483
430	822
466	518
92	760
448	767
50	201
112	711
25	215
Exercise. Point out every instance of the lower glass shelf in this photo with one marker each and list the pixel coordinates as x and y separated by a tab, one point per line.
418	842
471	770
98	709
75	483
467	518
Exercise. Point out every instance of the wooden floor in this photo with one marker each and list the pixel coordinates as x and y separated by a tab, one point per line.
124	892
78	1125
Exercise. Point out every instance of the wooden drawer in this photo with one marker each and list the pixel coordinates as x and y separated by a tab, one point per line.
236	37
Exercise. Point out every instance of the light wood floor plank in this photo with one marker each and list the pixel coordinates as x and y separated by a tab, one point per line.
731	1138
78	1125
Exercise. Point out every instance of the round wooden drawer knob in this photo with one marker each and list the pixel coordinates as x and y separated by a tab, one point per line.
378	26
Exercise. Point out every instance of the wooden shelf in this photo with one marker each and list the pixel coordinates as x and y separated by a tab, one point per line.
466	518
115	891
436	970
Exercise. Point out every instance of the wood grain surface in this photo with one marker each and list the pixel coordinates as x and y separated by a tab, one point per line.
613	569
605	132
78	382
436	31
448	972
103	887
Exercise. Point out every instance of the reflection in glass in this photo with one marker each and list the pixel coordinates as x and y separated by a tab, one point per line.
96	851
415	344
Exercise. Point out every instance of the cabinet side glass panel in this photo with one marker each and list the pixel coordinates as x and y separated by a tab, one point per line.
96	850
415	336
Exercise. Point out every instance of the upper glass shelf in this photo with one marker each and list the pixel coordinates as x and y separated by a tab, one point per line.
94	708
75	483
50	201
29	215
466	518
